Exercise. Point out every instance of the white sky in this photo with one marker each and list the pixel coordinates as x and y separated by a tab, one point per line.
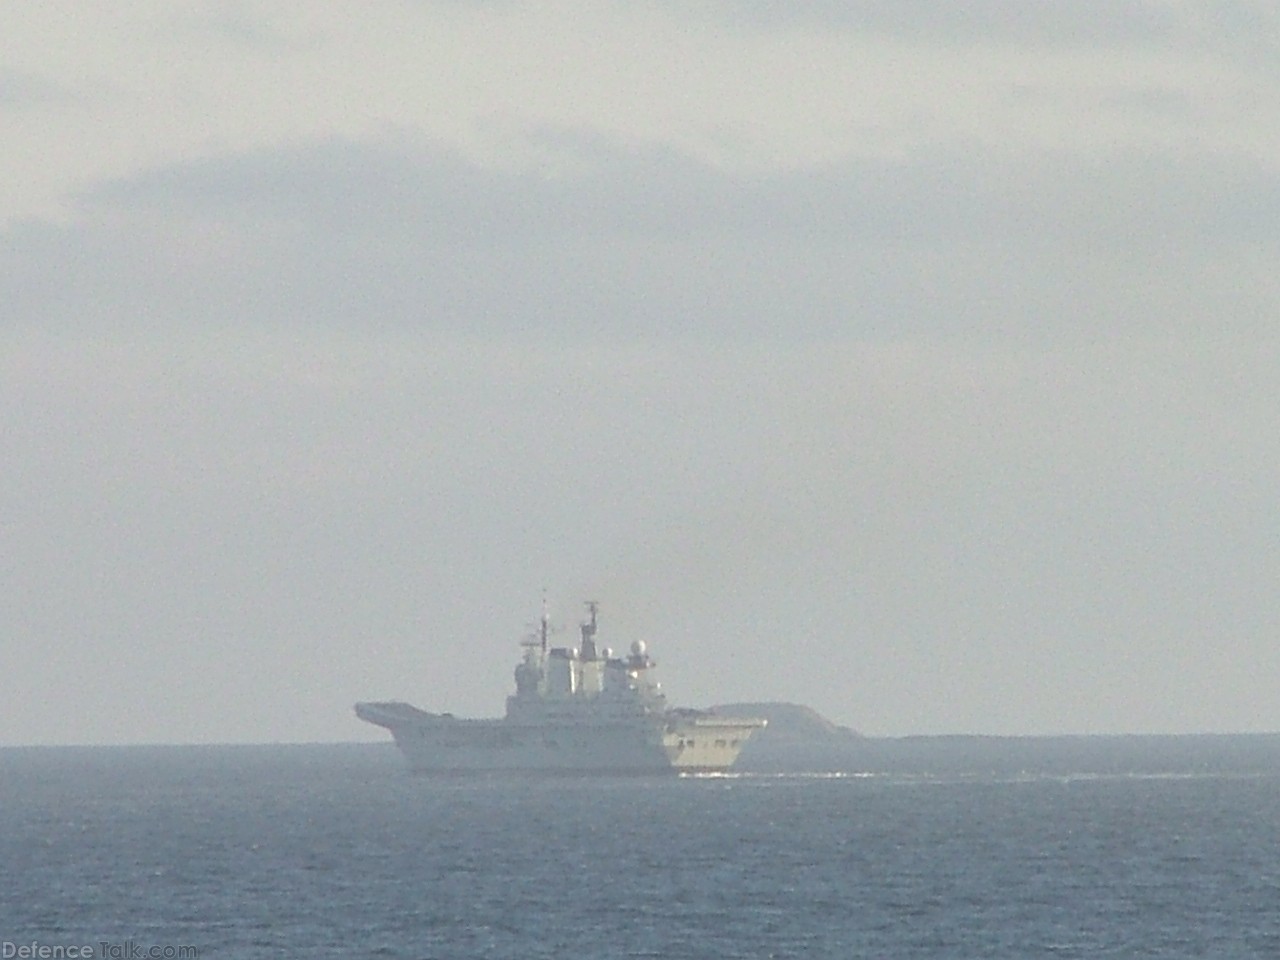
915	362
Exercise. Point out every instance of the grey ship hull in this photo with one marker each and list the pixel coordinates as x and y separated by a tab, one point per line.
671	743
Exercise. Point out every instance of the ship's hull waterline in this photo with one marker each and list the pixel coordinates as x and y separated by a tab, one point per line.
435	744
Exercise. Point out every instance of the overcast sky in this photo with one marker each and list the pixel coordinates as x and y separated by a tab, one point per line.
915	361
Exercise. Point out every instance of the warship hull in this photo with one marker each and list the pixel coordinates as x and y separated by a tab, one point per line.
441	744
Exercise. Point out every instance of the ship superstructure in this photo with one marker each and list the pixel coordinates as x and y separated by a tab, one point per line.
581	709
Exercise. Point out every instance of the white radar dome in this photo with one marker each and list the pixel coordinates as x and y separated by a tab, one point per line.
638	648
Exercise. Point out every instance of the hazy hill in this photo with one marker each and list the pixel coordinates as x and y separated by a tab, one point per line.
791	721
797	738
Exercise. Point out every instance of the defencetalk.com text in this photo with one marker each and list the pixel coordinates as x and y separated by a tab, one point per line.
101	950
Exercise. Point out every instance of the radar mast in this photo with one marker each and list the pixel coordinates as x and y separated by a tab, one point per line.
589	631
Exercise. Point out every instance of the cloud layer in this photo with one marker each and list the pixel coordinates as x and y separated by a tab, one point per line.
650	244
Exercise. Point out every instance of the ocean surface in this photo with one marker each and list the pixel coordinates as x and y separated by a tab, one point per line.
956	848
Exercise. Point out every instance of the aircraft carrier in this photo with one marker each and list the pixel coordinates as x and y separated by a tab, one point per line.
575	710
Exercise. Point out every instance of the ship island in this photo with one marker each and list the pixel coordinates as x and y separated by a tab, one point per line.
575	710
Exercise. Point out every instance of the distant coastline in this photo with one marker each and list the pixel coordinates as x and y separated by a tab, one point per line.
800	740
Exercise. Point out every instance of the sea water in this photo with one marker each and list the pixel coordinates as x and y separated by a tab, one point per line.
993	849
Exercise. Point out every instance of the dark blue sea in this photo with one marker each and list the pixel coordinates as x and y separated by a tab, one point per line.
955	848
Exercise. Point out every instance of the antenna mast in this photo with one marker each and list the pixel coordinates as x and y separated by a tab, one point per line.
542	631
589	631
